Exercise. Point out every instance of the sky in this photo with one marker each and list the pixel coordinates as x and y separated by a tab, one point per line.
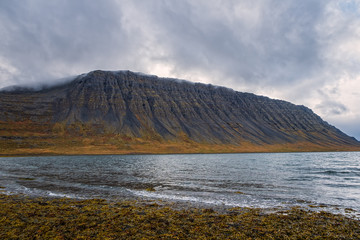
306	52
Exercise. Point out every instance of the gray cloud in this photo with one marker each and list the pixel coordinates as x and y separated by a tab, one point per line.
331	108
330	105
56	38
269	43
295	50
276	46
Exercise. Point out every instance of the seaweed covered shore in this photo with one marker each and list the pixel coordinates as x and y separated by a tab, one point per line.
39	218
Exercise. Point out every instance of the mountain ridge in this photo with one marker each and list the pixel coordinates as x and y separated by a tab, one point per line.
139	106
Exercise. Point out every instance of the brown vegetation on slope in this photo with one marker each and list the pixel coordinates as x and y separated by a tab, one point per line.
29	138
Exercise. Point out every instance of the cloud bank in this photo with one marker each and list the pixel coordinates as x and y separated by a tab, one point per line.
306	52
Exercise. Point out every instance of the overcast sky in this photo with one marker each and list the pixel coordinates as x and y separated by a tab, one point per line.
306	52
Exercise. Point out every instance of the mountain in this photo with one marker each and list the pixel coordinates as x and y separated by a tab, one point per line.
127	112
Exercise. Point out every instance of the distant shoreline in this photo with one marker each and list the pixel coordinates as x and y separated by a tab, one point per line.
163	153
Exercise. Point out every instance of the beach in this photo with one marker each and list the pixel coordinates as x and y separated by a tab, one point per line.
22	217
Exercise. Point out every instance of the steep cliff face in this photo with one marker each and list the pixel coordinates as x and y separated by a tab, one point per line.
138	105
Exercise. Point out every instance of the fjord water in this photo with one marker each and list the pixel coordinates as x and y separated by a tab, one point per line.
263	180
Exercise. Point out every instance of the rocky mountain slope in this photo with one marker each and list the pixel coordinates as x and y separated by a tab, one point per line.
136	106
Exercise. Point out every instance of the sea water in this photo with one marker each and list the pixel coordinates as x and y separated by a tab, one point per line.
330	180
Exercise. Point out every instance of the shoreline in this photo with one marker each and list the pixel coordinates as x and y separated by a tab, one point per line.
346	211
63	218
166	153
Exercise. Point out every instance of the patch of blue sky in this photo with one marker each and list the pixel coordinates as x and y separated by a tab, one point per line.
350	6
